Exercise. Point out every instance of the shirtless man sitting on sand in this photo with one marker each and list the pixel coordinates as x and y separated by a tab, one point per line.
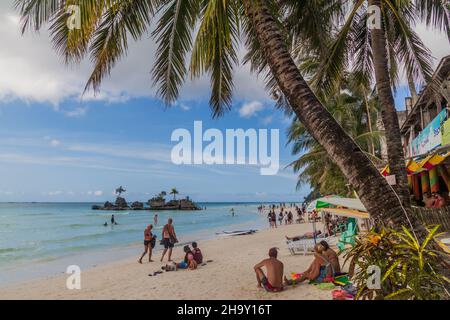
273	282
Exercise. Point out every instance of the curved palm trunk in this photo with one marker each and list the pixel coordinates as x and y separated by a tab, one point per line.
396	158
369	122
373	190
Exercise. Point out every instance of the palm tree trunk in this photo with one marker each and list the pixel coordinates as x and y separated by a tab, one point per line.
396	158
369	122
355	165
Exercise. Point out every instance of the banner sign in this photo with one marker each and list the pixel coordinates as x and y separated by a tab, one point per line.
445	132
430	137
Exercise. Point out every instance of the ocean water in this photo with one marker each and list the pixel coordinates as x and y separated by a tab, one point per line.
38	239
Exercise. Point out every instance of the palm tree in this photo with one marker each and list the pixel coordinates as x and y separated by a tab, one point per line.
314	166
174	192
106	26
382	51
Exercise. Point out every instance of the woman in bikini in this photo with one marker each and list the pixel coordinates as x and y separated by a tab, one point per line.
149	243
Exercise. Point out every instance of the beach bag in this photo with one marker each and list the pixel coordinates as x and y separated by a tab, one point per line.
339	294
153	241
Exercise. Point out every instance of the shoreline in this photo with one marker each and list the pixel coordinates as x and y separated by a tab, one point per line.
229	276
13	275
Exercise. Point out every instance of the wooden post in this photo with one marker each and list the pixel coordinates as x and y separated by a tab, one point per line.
444	174
416	179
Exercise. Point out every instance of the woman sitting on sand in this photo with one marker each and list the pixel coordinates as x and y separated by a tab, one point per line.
319	269
331	256
187	263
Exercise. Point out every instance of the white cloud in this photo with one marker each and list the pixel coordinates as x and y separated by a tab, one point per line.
31	71
250	109
55	143
267	120
98	193
55	193
76	113
185	107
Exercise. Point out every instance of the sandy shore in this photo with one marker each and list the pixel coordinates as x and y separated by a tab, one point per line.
229	276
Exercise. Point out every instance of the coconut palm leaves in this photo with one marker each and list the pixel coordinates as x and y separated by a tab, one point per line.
174	37
214	50
351	47
349	108
174	192
435	13
106	26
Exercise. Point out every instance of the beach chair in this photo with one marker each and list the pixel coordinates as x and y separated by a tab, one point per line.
347	237
305	246
300	246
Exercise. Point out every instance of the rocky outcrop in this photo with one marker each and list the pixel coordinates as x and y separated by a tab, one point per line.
183	204
137	205
156	203
121	203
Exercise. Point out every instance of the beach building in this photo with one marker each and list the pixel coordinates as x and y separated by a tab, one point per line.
425	129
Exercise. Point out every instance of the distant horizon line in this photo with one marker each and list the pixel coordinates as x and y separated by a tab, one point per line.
91	202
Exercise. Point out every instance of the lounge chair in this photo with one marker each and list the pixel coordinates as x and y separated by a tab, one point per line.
306	245
348	236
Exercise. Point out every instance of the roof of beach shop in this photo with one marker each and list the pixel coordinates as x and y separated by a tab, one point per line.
350	203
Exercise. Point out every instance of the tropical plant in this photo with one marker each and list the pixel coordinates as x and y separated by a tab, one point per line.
355	111
174	191
211	31
382	51
408	266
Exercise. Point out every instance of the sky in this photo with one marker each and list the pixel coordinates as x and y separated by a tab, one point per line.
58	146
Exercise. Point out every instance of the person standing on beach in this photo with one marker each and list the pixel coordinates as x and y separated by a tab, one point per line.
169	238
149	243
155	219
113	221
273	282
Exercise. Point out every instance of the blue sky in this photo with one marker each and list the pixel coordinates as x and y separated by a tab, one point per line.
48	155
55	146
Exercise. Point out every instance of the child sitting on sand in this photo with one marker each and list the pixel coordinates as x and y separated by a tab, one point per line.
198	257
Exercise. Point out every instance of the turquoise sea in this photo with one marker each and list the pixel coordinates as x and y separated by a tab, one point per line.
41	239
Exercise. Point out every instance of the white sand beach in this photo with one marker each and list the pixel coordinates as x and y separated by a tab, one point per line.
229	276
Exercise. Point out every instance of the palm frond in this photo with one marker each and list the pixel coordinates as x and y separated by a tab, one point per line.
214	51
173	35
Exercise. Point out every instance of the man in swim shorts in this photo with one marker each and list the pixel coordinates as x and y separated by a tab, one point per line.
169	238
273	282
